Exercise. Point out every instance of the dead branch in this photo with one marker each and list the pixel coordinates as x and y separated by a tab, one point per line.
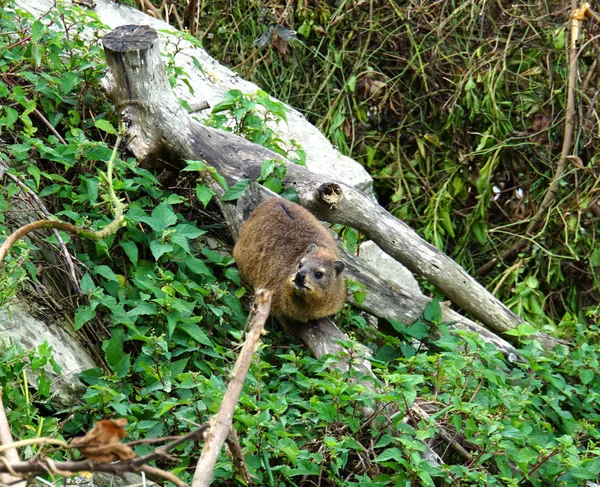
46	213
221	423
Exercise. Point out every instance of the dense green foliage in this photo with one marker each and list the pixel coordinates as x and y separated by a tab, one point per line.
171	297
457	109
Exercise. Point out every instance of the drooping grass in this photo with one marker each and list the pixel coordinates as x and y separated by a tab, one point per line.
457	110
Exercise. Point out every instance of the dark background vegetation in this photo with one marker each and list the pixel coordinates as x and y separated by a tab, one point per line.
457	109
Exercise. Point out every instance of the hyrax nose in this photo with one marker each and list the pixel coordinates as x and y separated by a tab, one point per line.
300	277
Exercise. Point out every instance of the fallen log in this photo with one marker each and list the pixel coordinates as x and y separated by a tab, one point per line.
162	135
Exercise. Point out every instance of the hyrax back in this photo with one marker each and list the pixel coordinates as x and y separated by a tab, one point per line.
284	248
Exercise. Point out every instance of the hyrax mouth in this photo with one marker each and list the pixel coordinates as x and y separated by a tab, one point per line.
298	281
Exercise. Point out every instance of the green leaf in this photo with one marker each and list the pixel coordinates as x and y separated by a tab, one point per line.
158	248
204	194
37	31
188	231
419	329
34	171
144	308
131	250
83	314
390	454
274	184
87	284
586	376
524	329
162	217
197	266
236	190
114	350
106	272
106	126
305	467
193	330
433	312
267	168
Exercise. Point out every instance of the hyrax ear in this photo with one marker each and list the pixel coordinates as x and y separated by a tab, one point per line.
338	266
311	248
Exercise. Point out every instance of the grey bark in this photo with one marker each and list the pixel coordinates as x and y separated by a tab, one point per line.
163	135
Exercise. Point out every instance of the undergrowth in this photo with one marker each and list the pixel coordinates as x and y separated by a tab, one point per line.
164	305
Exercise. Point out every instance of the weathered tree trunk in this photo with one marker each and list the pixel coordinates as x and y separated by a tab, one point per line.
384	299
163	135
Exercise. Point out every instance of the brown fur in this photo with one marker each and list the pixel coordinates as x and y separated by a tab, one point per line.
273	243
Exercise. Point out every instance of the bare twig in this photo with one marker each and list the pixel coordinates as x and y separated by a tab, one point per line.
10	454
233	444
221	423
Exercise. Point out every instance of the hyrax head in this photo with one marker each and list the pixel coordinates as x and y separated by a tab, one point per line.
317	270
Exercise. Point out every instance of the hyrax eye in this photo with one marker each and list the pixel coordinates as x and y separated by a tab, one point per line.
318	275
300	265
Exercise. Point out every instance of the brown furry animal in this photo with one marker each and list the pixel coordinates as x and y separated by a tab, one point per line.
284	248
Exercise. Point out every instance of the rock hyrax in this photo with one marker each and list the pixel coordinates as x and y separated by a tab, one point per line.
284	248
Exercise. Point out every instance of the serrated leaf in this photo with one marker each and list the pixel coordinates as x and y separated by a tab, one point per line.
131	250
189	231
586	376
193	330
204	194
390	454
83	314
433	311
162	217
158	249
197	266
144	308
106	272
267	168
37	31
114	349
87	284
274	184
236	190
524	329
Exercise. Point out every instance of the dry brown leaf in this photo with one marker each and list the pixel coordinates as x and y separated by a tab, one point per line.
102	442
